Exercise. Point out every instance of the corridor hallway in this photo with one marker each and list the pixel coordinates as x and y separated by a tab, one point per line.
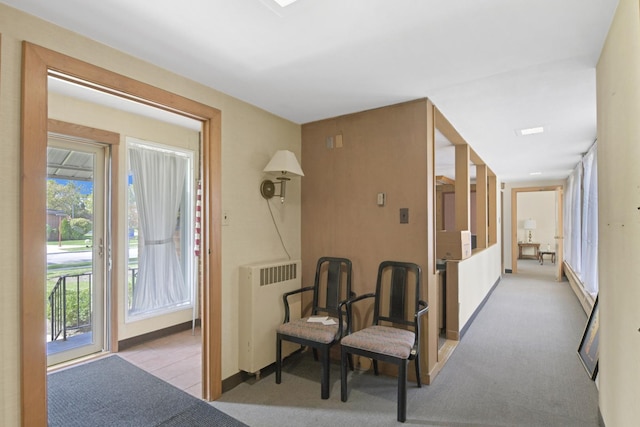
517	365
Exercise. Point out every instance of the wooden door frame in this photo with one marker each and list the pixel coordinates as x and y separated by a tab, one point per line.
559	189
38	62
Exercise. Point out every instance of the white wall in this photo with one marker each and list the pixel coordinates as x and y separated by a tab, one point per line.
618	94
476	276
249	137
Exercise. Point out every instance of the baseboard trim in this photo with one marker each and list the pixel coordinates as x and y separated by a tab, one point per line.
444	353
242	376
140	339
586	300
235	380
600	419
478	309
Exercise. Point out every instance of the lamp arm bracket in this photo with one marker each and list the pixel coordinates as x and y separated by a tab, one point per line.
268	189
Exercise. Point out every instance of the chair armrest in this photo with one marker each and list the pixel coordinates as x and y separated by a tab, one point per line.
285	299
347	304
422	311
349	300
424	307
356	299
418	315
342	312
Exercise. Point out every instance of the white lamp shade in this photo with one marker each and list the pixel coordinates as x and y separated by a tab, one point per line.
284	161
529	224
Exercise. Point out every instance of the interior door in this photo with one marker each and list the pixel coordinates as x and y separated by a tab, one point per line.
77	248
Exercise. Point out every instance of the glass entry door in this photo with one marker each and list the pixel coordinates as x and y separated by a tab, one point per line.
76	248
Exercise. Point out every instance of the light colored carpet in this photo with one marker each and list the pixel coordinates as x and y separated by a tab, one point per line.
516	366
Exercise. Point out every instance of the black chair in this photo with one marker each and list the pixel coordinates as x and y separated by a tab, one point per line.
394	336
332	286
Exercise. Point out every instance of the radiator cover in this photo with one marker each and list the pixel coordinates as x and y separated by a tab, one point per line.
261	310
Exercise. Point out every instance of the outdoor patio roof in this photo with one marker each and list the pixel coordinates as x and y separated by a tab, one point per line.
64	163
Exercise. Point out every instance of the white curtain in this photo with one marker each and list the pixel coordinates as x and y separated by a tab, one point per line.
589	273
573	231
581	221
566	220
158	182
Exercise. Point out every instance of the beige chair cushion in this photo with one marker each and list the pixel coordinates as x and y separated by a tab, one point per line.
313	331
382	339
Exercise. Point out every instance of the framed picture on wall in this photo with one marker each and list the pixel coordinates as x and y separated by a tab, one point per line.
588	349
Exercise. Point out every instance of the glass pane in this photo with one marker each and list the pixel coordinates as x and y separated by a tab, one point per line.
69	295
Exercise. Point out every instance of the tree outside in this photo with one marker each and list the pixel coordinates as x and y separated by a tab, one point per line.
72	204
67	198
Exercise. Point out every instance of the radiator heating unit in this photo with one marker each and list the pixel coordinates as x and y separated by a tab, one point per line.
261	310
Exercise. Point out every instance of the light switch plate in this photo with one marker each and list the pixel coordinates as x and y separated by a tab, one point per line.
404	215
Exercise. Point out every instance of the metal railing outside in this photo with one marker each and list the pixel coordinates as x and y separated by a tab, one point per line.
70	303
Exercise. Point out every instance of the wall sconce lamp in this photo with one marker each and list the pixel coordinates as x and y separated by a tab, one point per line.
529	224
285	162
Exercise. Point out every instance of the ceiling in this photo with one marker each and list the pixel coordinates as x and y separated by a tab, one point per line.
492	67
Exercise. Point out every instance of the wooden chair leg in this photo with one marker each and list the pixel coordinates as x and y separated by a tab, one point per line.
324	381
402	391
278	359
343	374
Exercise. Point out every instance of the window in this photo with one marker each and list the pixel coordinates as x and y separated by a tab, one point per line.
581	221
160	229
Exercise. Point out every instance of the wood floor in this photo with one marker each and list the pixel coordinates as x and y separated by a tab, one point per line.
175	359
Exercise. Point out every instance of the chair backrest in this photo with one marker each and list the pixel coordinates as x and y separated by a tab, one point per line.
332	285
397	293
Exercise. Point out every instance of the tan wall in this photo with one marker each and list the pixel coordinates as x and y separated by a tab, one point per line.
449	209
250	136
541	207
385	151
618	94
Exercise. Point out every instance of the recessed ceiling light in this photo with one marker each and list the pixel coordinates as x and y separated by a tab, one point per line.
284	3
531	131
535	173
